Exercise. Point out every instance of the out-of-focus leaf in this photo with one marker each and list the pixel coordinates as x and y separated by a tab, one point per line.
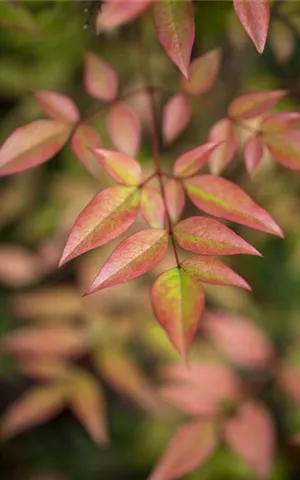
239	339
152	207
223	198
282	41
35	407
17	16
175	26
110	213
288	377
202	73
254	15
279	121
250	434
223	131
57	106
46	368
176	116
132	258
175	199
285	147
114	13
84	139
31	145
253	104
178	302
124	128
122	168
190	162
253	153
207	236
18	267
191	445
100	79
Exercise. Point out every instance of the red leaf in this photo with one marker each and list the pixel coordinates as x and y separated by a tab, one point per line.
211	270
57	106
31	145
36	406
210	237
121	167
132	258
222	198
190	162
202	73
176	116
240	340
178	302
124	128
175	26
110	213
253	152
191	445
114	13
152	207
100	79
223	131
253	104
254	15
175	199
251	435
288	377
285	148
201	388
279	121
85	138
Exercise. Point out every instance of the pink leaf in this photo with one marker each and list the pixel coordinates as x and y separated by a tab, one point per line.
213	271
201	388
121	167
202	73
285	148
57	106
114	13
100	79
132	258
207	236
152	207
31	145
239	339
222	198
254	15
191	445
110	213
175	198
178	302
251	435
223	131
253	104
85	138
175	26
124	128
190	162
176	116
253	152
279	121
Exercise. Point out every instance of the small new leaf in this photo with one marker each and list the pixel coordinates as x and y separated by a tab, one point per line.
176	116
253	153
224	132
57	106
202	73
100	79
124	128
175	199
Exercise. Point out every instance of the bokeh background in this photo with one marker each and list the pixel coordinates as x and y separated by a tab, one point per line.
44	50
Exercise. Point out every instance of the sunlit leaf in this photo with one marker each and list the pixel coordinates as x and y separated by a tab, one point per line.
124	128
100	79
175	198
110	213
83	140
202	73
250	434
223	198
253	153
133	257
285	147
114	13
254	15
193	160
191	445
57	106
31	145
152	207
178	302
121	167
176	116
223	131
207	236
175	26
253	104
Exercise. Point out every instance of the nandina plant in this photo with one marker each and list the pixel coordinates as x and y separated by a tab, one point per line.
177	295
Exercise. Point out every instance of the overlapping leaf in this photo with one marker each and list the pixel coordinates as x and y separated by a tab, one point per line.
175	199
285	147
176	116
279	121
100	79
124	128
202	73
57	106
121	167
254	15
193	160
223	131
253	153
253	104
83	140
152	207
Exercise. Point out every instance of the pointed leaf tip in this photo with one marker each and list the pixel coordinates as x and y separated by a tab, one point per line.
254	15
